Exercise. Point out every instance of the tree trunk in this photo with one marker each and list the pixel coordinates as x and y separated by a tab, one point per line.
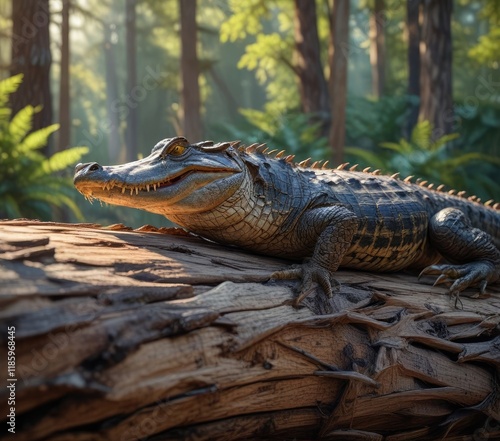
413	28
181	340
131	131
339	54
312	83
64	86
377	48
436	103
191	103
112	99
31	56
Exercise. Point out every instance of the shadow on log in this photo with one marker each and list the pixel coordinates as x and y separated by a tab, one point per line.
156	334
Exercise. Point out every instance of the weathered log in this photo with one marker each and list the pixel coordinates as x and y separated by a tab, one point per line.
127	335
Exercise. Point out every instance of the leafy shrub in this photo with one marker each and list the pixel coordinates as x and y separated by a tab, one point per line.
29	183
292	132
438	161
372	121
479	126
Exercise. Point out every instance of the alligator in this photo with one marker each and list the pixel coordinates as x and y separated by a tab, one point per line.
265	202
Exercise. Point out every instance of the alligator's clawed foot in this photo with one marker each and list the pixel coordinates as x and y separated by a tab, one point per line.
309	273
461	277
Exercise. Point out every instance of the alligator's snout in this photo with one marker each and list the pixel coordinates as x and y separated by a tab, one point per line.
87	167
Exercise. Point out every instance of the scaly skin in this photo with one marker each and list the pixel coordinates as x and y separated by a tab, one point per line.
244	197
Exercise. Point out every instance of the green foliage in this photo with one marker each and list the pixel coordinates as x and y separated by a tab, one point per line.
292	132
486	51
268	27
480	127
370	122
246	19
438	161
29	183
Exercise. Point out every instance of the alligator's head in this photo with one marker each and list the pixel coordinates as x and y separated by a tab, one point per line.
176	178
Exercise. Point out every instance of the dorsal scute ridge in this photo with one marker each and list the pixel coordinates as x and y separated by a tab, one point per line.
320	165
304	163
252	148
261	148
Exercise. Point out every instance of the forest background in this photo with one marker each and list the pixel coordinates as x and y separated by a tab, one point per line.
408	86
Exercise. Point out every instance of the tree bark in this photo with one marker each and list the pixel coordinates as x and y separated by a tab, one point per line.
187	340
131	130
413	10
338	58
191	102
377	48
64	87
312	83
436	103
31	56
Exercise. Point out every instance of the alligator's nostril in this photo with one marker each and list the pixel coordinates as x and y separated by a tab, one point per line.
78	167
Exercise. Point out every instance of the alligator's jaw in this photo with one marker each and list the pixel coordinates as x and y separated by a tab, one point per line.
161	197
163	184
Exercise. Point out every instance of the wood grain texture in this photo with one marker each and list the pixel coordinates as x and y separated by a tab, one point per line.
156	334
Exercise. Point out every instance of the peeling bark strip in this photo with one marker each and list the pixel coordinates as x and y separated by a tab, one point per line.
127	335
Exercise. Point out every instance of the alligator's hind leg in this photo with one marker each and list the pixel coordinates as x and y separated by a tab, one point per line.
476	256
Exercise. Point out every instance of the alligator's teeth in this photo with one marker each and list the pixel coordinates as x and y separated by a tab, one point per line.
131	191
136	190
123	190
147	187
154	186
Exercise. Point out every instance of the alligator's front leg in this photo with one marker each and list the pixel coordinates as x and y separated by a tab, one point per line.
337	225
476	256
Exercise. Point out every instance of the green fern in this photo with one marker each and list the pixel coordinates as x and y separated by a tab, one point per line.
31	185
36	140
435	160
8	87
61	160
21	123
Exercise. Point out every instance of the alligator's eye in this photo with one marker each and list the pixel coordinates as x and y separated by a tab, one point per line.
175	150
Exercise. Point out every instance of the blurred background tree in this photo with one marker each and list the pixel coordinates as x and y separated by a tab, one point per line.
413	85
31	56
